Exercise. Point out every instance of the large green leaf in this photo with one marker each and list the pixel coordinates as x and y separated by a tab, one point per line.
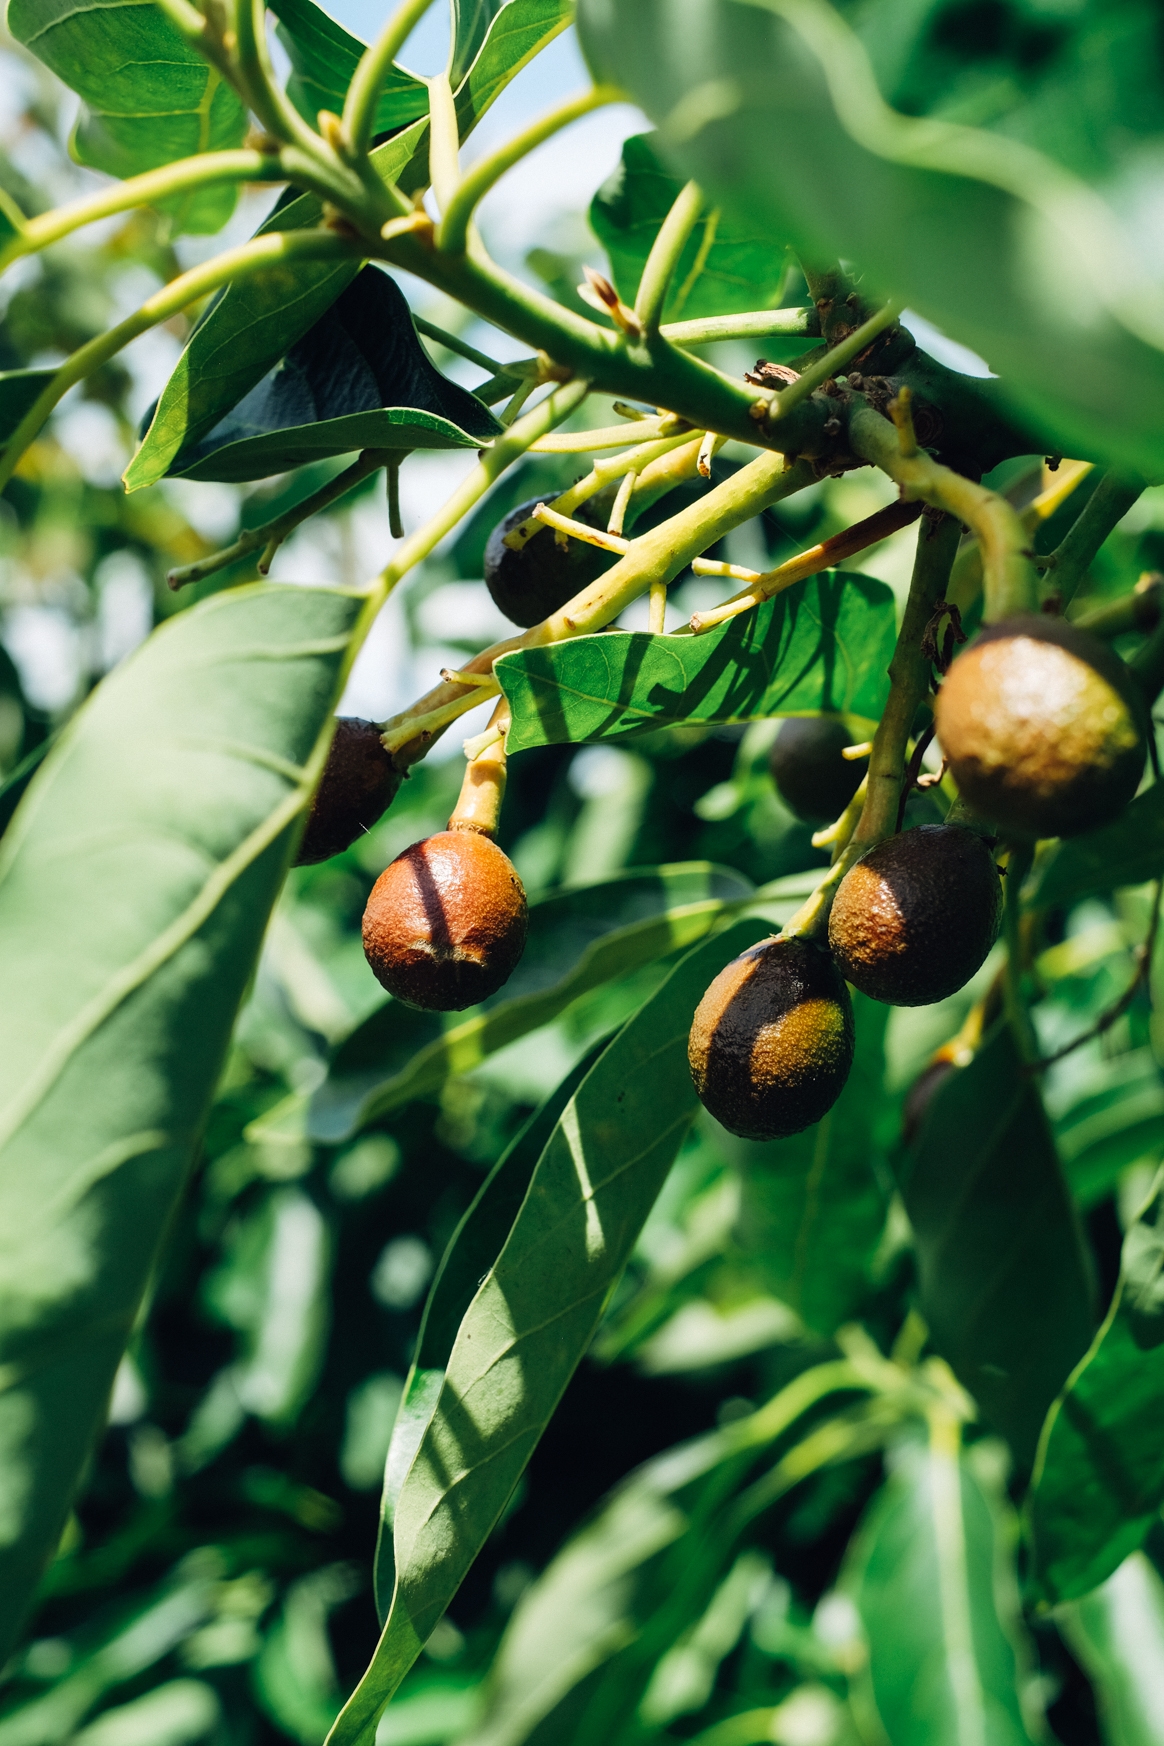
536	1311
812	1208
729	264
772	106
923	1571
1116	1633
1128	851
360	379
252	325
578	939
149	96
473	1248
1099	1478
1004	1281
824	644
135	884
324	56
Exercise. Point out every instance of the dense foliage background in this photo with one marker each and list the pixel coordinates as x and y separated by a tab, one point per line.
214	1581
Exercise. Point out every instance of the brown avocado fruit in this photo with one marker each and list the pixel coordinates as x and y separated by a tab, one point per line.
771	1043
914	918
530	584
358	785
1043	727
812	779
445	923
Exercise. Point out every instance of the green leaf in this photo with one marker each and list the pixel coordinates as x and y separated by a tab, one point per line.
18	390
359	379
536	1311
728	266
1114	1119
473	1249
812	1208
771	105
252	325
1099	1478
324	56
923	1571
578	939
150	98
1116	1633
1004	1282
168	808
1129	851
824	644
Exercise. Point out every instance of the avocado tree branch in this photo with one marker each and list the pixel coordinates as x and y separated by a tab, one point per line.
1104	509
232	265
800	323
370	75
831	364
664	255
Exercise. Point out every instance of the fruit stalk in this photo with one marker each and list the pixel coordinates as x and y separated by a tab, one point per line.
478	806
1018	865
1073	556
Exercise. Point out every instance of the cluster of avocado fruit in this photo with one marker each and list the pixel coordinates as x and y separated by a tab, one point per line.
1044	730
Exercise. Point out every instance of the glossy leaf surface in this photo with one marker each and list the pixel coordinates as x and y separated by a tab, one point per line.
252	325
149	97
360	379
474	1247
1099	1479
727	266
1116	1633
824	644
168	807
922	1571
324	56
578	939
536	1311
966	226
1128	851
1004	1283
812	1208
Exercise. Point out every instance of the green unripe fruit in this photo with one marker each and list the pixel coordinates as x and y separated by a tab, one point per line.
530	584
1044	728
915	917
358	785
771	1043
811	777
446	922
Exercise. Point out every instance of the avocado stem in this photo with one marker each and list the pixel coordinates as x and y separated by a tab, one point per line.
478	805
1018	865
1103	511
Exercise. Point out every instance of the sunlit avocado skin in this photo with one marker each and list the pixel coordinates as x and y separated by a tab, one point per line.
530	584
445	924
771	1043
1043	727
358	784
811	777
915	917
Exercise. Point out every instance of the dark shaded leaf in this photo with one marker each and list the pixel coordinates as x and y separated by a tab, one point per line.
150	98
1004	1281
942	1633
824	644
252	325
360	379
1128	851
169	807
18	390
578	939
324	56
473	1248
536	1311
772	107
728	266
1099	1478
812	1208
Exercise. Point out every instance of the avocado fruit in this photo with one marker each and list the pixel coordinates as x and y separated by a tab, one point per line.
539	579
812	779
358	785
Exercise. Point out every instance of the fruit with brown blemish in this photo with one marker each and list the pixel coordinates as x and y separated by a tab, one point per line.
812	778
445	924
358	784
771	1043
915	917
528	585
1043	727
